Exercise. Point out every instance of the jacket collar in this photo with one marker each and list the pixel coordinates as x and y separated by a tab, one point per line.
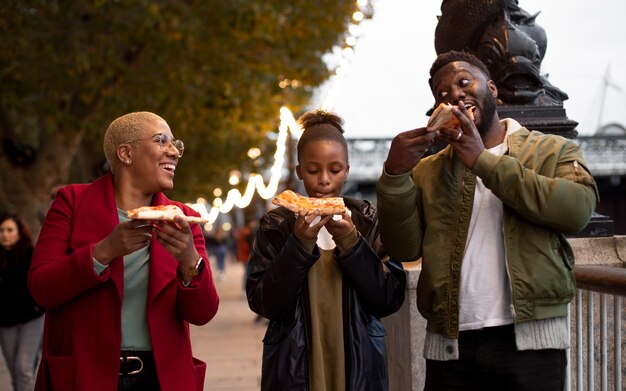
513	132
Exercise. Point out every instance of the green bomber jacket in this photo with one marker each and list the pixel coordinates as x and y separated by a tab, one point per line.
546	191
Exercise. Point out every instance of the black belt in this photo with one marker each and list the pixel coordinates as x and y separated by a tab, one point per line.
133	362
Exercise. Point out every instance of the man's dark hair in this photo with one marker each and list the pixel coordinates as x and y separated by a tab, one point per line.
446	58
321	125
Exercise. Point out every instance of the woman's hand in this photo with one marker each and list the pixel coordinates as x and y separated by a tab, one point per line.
340	227
303	228
177	238
126	238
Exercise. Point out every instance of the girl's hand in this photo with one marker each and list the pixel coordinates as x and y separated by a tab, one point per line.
340	227
303	228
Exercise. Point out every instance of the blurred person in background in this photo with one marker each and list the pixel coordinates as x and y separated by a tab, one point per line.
245	240
217	244
21	318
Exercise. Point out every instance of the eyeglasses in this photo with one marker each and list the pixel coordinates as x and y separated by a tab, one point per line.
164	141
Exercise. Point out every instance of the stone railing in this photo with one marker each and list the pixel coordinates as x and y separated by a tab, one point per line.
596	357
406	328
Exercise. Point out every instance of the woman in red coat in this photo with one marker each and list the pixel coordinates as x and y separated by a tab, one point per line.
120	293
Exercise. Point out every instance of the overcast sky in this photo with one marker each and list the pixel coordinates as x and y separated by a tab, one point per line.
384	90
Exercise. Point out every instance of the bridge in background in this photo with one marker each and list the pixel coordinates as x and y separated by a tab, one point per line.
605	156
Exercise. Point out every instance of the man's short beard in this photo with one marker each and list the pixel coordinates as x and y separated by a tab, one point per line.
486	115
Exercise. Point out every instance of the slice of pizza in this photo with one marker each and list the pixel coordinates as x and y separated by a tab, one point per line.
310	205
162	213
443	117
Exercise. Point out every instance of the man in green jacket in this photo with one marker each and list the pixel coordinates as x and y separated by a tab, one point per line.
487	216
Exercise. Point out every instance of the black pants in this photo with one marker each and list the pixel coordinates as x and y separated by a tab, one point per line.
137	372
489	360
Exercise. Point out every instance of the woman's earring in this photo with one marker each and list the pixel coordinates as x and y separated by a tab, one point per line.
128	162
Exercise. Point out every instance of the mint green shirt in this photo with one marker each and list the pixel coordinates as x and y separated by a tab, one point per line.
135	332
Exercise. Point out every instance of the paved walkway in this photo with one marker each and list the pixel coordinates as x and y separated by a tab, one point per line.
230	344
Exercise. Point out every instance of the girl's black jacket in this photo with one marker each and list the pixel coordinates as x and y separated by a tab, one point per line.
277	289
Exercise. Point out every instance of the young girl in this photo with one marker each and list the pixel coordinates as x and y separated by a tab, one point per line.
323	282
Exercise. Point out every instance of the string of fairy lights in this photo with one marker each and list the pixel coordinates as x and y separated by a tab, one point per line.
288	123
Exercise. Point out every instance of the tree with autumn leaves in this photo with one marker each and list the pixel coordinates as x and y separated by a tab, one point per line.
212	68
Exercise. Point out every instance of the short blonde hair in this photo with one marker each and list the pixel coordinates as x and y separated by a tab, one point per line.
123	129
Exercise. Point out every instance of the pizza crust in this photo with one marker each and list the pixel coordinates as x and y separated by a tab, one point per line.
310	205
162	213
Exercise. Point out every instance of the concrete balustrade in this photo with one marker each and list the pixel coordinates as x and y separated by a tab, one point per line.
406	328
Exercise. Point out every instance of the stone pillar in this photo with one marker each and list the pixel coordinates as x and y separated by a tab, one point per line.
405	339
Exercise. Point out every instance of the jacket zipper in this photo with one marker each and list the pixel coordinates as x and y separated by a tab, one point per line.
506	255
458	284
508	272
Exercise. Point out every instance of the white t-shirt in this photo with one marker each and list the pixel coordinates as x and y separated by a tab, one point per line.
485	293
324	238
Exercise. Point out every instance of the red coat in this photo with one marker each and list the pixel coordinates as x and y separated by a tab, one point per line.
82	335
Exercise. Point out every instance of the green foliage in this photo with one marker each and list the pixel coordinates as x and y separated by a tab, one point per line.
210	68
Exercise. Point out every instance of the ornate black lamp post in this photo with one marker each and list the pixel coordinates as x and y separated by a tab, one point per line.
507	39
